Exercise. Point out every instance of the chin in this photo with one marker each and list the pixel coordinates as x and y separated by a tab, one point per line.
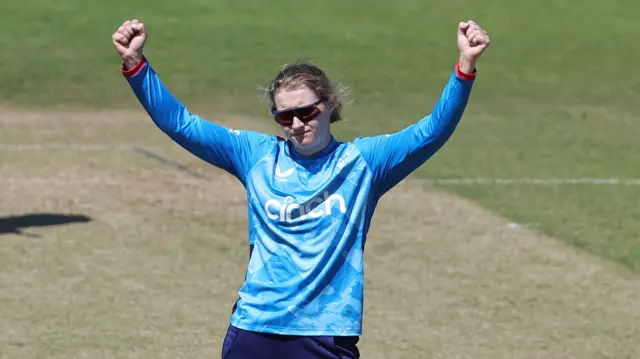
306	141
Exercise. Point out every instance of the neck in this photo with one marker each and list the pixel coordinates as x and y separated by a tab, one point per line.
314	148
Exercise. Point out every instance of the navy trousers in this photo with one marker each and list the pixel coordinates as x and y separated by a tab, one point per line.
244	344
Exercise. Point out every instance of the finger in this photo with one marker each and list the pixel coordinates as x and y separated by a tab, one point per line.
474	33
480	32
472	40
480	39
138	28
121	39
127	26
122	30
474	26
486	41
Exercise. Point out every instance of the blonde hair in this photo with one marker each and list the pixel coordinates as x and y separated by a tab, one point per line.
303	74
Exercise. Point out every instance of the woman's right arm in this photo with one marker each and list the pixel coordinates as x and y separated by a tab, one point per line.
234	151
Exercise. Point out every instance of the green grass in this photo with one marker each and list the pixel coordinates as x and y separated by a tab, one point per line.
575	213
555	96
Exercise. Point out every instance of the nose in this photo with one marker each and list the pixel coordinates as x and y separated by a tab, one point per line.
297	124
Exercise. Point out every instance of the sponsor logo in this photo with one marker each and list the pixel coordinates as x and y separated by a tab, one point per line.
284	174
287	210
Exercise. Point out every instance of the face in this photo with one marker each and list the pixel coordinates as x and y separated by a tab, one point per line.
308	136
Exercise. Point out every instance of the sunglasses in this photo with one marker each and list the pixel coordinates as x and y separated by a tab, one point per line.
303	113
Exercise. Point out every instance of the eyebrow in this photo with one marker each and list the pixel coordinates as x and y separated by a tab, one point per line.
315	103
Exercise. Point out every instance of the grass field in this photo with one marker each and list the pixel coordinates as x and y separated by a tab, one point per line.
152	266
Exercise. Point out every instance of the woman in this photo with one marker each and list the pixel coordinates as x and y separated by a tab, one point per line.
310	197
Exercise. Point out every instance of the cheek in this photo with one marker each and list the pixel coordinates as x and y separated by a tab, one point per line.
322	124
313	127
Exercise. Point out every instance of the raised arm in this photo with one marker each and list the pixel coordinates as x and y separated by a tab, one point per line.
234	151
393	157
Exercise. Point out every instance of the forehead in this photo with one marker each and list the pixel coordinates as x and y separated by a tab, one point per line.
294	98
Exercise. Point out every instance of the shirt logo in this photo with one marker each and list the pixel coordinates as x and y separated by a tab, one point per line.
317	207
284	174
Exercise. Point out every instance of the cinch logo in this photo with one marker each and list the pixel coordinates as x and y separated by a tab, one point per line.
315	208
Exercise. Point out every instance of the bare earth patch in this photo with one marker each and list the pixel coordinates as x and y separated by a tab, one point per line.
448	279
155	271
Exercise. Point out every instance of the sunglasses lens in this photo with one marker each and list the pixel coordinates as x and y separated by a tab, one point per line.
305	112
284	118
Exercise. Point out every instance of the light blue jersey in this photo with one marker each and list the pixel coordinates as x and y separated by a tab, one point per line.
308	216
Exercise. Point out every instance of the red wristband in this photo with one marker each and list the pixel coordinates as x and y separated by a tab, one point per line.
134	71
464	75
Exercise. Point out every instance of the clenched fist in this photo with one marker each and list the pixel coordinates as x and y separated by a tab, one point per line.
472	42
129	41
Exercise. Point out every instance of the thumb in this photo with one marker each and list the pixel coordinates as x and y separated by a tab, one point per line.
462	28
120	49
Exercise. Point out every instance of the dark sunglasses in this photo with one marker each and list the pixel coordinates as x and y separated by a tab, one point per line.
303	113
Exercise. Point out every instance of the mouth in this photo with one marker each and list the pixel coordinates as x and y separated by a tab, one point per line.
299	135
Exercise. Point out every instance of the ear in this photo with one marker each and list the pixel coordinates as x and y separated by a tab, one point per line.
331	105
334	111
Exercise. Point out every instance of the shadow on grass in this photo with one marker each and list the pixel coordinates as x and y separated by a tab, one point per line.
15	224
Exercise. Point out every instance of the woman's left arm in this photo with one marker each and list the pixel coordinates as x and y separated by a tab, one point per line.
393	157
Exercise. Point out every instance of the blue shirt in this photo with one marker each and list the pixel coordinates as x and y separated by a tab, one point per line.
308	216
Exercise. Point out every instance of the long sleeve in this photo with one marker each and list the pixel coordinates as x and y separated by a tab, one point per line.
393	157
232	150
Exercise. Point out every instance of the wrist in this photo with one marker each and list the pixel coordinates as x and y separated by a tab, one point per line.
130	62
129	70
467	65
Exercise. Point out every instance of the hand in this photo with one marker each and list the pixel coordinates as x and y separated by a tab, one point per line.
129	41
472	42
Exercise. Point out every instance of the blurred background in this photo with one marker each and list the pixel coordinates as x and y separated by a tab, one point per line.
519	239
